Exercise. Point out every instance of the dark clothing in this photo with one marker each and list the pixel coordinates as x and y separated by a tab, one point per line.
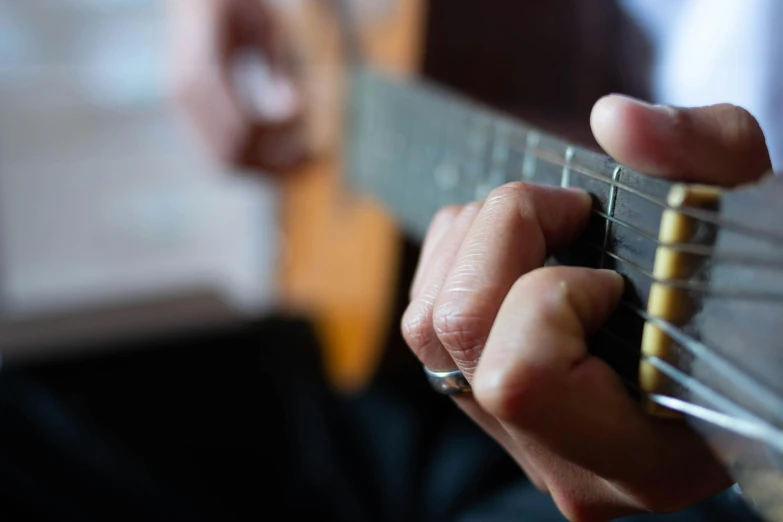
237	425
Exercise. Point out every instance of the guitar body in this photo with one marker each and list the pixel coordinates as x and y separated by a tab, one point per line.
340	251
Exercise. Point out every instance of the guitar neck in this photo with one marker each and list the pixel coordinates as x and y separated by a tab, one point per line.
416	147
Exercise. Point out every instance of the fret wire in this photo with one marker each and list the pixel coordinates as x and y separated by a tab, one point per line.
529	163
695	249
565	180
610	214
696	213
690	248
432	89
500	153
534	152
686	284
485	156
707	216
709	356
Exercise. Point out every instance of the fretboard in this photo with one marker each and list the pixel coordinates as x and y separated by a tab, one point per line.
417	147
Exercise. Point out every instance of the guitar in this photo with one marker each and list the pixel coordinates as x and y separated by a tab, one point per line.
695	335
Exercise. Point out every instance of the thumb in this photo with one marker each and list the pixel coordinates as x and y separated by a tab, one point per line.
719	144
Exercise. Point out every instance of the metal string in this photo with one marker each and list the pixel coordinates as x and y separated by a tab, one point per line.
708	216
710	357
731	417
689	284
446	97
696	249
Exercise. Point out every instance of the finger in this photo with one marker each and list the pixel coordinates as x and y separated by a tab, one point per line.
538	336
417	326
441	223
444	236
512	234
719	144
537	378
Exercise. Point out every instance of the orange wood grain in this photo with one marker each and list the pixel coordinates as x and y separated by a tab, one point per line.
341	250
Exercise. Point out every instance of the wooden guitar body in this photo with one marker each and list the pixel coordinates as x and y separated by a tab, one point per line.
340	250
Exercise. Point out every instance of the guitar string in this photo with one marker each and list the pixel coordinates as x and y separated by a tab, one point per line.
680	336
731	415
711	357
728	414
695	249
684	284
635	351
690	249
689	382
688	284
708	216
684	247
538	152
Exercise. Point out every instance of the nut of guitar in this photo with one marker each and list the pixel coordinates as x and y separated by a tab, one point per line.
668	300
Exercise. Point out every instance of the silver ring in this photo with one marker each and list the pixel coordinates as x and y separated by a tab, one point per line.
448	383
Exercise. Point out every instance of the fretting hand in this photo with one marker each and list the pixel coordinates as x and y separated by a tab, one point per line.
482	303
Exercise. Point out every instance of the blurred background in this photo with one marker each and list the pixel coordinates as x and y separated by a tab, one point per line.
113	220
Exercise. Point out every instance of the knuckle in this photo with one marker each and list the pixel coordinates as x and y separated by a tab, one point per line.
461	329
471	209
548	283
417	326
560	304
510	194
512	395
447	214
514	202
518	392
541	277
